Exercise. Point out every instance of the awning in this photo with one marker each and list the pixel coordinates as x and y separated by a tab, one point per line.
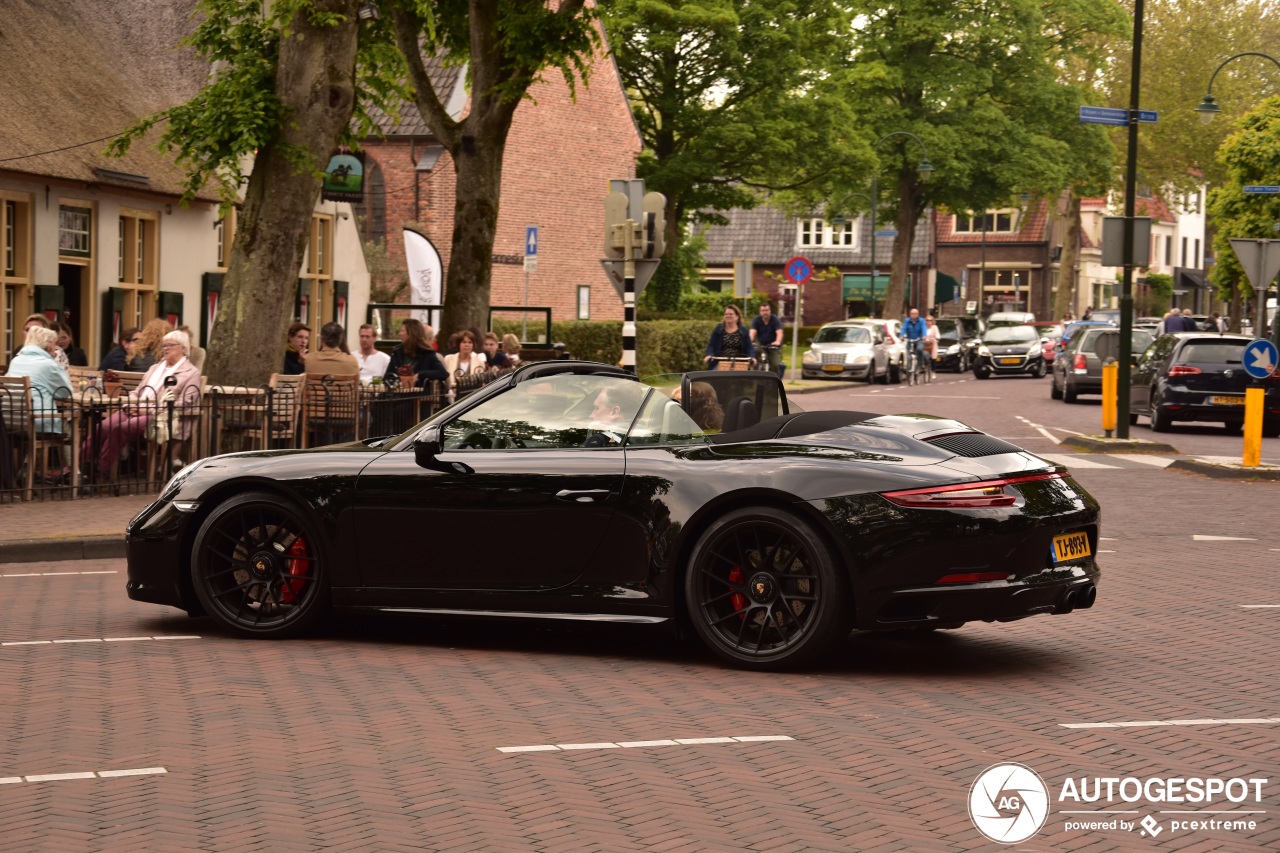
1185	277
946	289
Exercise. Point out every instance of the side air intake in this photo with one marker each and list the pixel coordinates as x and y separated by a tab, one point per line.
973	444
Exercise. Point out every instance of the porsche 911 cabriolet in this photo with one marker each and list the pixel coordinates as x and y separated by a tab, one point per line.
569	490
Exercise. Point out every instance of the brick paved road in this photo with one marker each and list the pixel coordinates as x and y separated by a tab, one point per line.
382	735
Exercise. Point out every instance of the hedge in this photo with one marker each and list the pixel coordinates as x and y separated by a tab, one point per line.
662	346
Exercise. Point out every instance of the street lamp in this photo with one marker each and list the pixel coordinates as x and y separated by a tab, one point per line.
1208	106
925	168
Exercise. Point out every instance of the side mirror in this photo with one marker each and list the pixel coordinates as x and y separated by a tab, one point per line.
426	451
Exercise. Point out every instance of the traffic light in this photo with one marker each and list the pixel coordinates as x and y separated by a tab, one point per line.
654	219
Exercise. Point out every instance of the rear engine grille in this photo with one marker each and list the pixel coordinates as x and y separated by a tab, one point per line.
973	444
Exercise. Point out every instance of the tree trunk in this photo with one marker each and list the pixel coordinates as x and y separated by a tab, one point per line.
315	78
895	297
1067	277
475	223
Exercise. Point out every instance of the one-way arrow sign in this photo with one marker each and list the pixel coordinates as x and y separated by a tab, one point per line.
1260	358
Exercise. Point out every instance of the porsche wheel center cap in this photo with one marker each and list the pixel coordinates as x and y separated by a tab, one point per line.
263	564
762	587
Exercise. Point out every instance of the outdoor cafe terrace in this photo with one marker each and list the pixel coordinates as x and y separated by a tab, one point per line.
50	449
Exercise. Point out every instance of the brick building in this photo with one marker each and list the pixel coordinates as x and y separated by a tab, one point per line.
769	237
561	152
1005	259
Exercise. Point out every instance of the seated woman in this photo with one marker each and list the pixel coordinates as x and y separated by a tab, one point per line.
49	381
414	362
704	408
729	339
67	340
121	356
131	421
466	361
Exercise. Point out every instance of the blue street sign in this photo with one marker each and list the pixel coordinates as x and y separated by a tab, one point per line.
887	232
799	270
1148	116
1104	115
531	241
1260	358
1262	189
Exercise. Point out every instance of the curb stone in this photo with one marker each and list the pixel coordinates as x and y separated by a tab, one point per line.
1218	471
55	550
1098	444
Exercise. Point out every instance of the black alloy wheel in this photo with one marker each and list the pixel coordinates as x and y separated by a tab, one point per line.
1039	371
257	567
763	592
1069	393
1160	420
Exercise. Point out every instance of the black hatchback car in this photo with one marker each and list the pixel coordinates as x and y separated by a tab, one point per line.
958	339
1198	376
1010	351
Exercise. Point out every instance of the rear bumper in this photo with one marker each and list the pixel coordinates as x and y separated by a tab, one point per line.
1192	406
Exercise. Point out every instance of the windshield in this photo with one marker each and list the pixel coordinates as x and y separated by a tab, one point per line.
1010	335
843	335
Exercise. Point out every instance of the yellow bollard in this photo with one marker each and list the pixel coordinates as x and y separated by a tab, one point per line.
1110	372
1253	399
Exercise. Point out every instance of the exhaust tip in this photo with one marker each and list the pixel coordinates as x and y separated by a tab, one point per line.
1068	603
1086	597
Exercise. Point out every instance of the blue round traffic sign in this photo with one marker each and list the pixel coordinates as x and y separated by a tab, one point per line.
1260	358
799	270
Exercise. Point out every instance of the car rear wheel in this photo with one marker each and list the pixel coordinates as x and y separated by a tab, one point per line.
763	592
1054	391
257	567
1160	420
895	373
1271	430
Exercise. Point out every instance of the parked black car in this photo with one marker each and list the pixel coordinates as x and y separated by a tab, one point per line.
571	491
1198	376
1010	351
1078	368
958	339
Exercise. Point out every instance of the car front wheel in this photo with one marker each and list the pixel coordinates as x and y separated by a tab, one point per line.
257	567
763	592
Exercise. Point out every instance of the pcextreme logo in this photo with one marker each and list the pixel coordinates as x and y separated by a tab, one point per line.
1009	803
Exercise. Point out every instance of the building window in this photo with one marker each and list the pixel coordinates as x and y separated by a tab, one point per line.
74	231
1168	252
225	232
1184	251
318	280
819	233
993	222
1196	260
371	212
584	302
139	264
15	277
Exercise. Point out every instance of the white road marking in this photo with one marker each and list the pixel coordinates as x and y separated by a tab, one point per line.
1142	723
101	640
1261	606
56	574
1196	537
1067	431
1049	435
1106	552
100	774
1147	459
1074	461
636	744
1108	539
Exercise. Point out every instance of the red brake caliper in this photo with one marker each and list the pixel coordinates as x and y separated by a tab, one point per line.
297	568
738	600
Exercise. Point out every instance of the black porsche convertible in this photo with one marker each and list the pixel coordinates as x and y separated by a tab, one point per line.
570	490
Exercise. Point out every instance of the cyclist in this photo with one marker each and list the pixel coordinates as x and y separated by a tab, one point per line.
914	332
766	333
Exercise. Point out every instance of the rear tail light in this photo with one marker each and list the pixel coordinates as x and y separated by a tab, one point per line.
1080	363
974	577
987	493
1184	370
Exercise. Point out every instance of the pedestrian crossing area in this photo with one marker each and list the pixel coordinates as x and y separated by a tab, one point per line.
1111	461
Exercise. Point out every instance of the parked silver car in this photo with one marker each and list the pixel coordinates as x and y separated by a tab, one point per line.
847	349
894	344
1078	368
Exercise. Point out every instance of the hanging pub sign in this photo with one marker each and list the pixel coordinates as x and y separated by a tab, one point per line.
344	177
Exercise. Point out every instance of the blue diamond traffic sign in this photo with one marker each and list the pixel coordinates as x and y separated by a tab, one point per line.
1260	358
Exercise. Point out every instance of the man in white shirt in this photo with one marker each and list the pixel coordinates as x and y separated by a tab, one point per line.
372	362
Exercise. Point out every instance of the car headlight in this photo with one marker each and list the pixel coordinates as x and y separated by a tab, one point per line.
954	349
983	351
862	359
810	355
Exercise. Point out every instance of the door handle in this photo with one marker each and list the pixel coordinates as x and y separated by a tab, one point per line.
582	496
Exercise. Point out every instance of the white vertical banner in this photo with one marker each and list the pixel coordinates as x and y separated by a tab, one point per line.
426	274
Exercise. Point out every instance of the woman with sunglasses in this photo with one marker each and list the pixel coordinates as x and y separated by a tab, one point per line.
122	356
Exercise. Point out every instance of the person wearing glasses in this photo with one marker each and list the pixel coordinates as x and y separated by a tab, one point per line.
122	355
151	397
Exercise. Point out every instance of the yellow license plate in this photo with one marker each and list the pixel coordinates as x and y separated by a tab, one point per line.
1011	361
833	368
1218	400
1071	546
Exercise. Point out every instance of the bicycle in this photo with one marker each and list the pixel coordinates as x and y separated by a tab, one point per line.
918	368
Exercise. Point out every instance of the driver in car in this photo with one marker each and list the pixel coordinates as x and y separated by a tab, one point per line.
611	414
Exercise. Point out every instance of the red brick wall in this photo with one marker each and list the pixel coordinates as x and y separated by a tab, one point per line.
561	154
